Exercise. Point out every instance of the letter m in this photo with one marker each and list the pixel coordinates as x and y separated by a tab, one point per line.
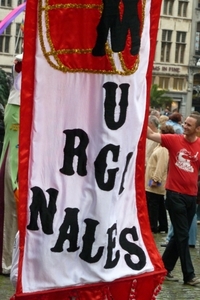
39	206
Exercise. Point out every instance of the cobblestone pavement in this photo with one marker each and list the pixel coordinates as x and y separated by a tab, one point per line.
177	290
170	290
6	289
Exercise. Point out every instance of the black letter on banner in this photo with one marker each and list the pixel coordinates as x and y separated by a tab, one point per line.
100	167
88	240
70	152
110	104
111	245
70	222
131	21
110	19
128	158
132	248
39	205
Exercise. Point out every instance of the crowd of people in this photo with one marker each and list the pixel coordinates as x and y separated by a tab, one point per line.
172	167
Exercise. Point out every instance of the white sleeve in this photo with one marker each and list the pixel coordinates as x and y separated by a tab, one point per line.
15	259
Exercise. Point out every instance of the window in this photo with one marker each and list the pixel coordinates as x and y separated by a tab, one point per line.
198	4
178	84
168	7
5	40
20	2
18	39
153	80
6	3
163	83
197	40
180	47
166	45
182	9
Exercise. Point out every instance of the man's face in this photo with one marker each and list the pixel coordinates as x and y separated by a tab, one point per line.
190	126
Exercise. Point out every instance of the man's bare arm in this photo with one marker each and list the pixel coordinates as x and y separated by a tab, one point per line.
154	136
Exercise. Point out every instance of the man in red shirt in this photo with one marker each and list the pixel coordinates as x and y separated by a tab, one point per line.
181	187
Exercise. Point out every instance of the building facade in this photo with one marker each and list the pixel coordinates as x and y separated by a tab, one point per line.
194	67
173	53
11	39
177	58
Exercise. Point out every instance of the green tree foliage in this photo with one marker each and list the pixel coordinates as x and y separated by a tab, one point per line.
158	98
4	87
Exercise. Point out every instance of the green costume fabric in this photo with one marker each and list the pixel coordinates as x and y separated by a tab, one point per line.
11	141
8	182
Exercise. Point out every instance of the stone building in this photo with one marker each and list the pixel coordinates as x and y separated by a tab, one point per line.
173	52
177	58
11	39
194	66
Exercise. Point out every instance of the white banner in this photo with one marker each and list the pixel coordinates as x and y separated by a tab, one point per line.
83	220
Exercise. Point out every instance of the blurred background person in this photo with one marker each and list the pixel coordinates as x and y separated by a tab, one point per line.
167	112
162	120
155	113
155	179
175	120
153	123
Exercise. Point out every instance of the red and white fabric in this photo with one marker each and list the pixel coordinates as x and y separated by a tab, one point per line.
65	96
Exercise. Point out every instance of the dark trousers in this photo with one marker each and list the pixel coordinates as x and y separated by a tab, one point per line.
157	212
181	210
